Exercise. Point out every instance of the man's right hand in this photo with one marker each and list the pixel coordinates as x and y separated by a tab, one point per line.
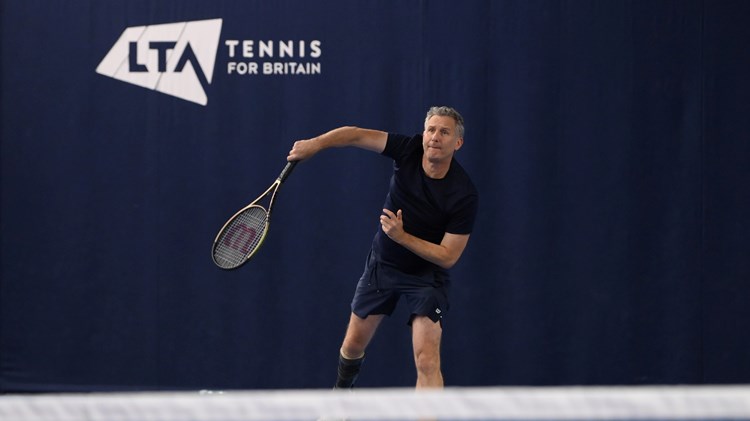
303	149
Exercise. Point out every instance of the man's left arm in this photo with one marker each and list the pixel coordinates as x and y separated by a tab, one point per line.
445	254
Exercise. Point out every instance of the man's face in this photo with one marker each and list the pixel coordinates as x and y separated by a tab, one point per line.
440	138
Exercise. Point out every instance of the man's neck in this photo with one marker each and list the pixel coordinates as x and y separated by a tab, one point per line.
436	170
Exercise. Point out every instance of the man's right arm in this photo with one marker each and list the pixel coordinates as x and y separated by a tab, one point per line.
371	140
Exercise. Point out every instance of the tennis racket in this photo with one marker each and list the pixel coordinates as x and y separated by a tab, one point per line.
243	234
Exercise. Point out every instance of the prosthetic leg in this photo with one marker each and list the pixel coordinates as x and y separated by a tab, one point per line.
348	371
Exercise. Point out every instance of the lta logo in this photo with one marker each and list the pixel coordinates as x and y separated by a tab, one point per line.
176	58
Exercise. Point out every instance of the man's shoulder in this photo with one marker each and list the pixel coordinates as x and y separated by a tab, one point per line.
399	145
461	176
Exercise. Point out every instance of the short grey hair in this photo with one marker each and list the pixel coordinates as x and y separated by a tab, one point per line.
444	111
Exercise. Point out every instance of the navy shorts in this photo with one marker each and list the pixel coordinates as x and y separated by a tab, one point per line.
381	286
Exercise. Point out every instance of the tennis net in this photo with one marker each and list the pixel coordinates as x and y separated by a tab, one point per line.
451	404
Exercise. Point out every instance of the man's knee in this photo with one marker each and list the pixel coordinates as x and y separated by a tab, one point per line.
427	362
352	351
427	336
354	344
358	335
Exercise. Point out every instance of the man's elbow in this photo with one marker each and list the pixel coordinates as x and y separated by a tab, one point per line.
448	262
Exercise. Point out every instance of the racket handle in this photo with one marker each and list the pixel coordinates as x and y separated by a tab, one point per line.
287	170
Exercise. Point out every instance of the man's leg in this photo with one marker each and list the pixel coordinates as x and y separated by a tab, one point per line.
358	336
426	336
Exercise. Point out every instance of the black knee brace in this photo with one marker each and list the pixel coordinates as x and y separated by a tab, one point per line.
347	372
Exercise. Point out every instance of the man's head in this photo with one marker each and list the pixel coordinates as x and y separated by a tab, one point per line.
447	112
443	133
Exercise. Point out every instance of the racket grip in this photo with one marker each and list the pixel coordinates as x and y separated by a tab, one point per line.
287	170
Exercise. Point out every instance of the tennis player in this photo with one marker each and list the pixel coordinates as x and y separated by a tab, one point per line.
428	215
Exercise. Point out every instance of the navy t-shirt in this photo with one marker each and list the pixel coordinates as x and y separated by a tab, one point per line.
430	207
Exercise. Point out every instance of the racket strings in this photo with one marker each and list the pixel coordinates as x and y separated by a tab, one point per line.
241	237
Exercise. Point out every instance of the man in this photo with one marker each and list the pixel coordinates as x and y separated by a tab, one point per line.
428	215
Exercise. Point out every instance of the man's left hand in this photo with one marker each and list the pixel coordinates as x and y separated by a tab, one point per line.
392	224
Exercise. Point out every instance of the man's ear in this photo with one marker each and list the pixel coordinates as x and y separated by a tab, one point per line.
459	143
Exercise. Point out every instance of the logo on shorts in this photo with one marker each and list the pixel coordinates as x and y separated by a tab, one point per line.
176	59
437	310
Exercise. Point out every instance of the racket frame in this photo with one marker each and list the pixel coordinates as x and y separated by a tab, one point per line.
255	203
